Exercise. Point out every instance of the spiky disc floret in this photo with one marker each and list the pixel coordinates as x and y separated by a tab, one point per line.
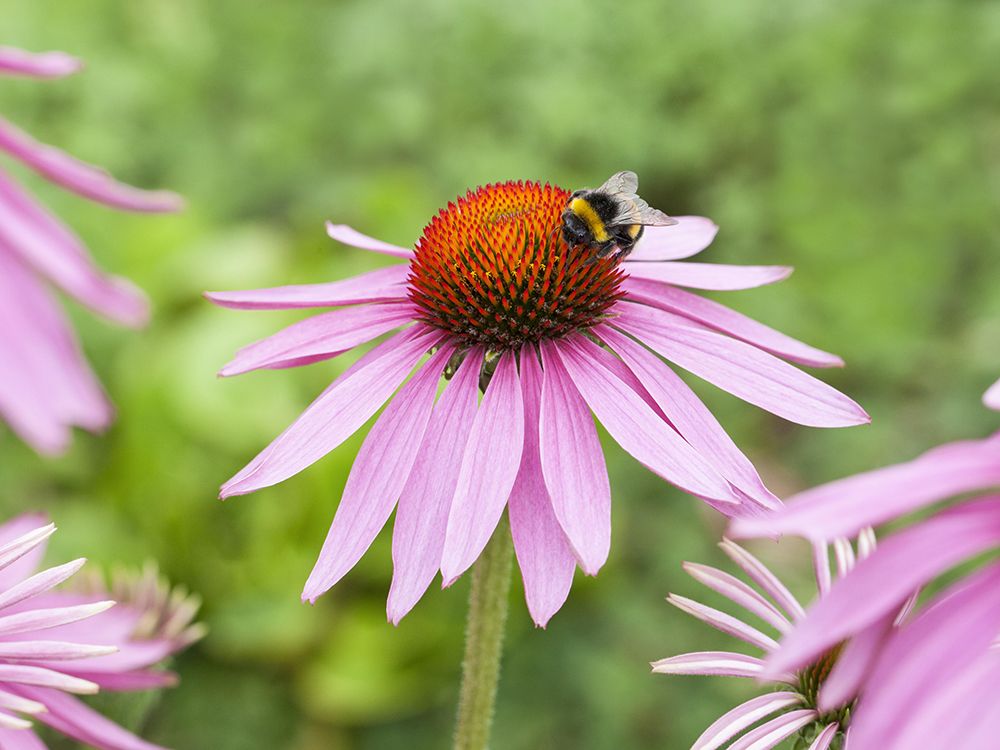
492	268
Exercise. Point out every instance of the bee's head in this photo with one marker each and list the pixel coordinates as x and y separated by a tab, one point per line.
574	229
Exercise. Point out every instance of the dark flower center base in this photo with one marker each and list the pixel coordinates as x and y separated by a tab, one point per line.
493	269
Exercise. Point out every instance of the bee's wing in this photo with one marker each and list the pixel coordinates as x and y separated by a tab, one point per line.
635	210
621	184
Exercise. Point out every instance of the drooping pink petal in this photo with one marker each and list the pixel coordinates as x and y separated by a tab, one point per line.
543	552
689	236
380	285
717	316
15	61
82	178
689	416
378	475
739	593
853	665
742	717
879	585
354	238
716	663
320	337
774	732
843	507
57	253
743	370
20	739
424	504
939	645
715	276
635	426
489	467
572	464
992	396
723	622
821	567
825	738
77	720
339	411
763	577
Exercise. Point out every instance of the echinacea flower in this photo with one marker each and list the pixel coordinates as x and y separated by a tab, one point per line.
46	385
814	702
551	334
55	643
933	681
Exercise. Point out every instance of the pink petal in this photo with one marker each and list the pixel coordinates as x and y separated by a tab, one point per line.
77	720
489	466
843	507
20	739
879	585
825	738
853	666
51	650
724	622
82	178
39	619
378	476
55	252
543	552
709	275
572	463
992	396
424	504
26	674
712	314
354	238
740	369
381	285
635	426
23	540
15	61
320	337
338	413
131	681
739	593
774	732
763	577
821	567
743	716
689	236
689	416
949	637
716	663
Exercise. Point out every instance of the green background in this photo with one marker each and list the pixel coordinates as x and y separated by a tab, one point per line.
858	141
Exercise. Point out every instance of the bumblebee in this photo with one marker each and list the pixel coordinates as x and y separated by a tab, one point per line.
610	220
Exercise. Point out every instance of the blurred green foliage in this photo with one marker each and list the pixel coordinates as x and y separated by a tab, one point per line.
858	141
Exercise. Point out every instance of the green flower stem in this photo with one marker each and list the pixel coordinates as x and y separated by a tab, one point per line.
488	604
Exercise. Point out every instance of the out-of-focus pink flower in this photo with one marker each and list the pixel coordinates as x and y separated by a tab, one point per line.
46	385
816	699
54	643
932	682
550	335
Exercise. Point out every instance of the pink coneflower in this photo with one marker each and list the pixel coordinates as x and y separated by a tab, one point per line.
815	701
46	385
54	644
494	294
931	682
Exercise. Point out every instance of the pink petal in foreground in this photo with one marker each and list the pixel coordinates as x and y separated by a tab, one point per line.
635	426
689	416
320	337
741	369
708	275
689	236
338	413
543	553
721	318
82	178
377	477
425	501
714	663
20	739
742	717
354	238
992	396
18	62
774	732
55	252
572	463
853	665
380	285
489	466
843	507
